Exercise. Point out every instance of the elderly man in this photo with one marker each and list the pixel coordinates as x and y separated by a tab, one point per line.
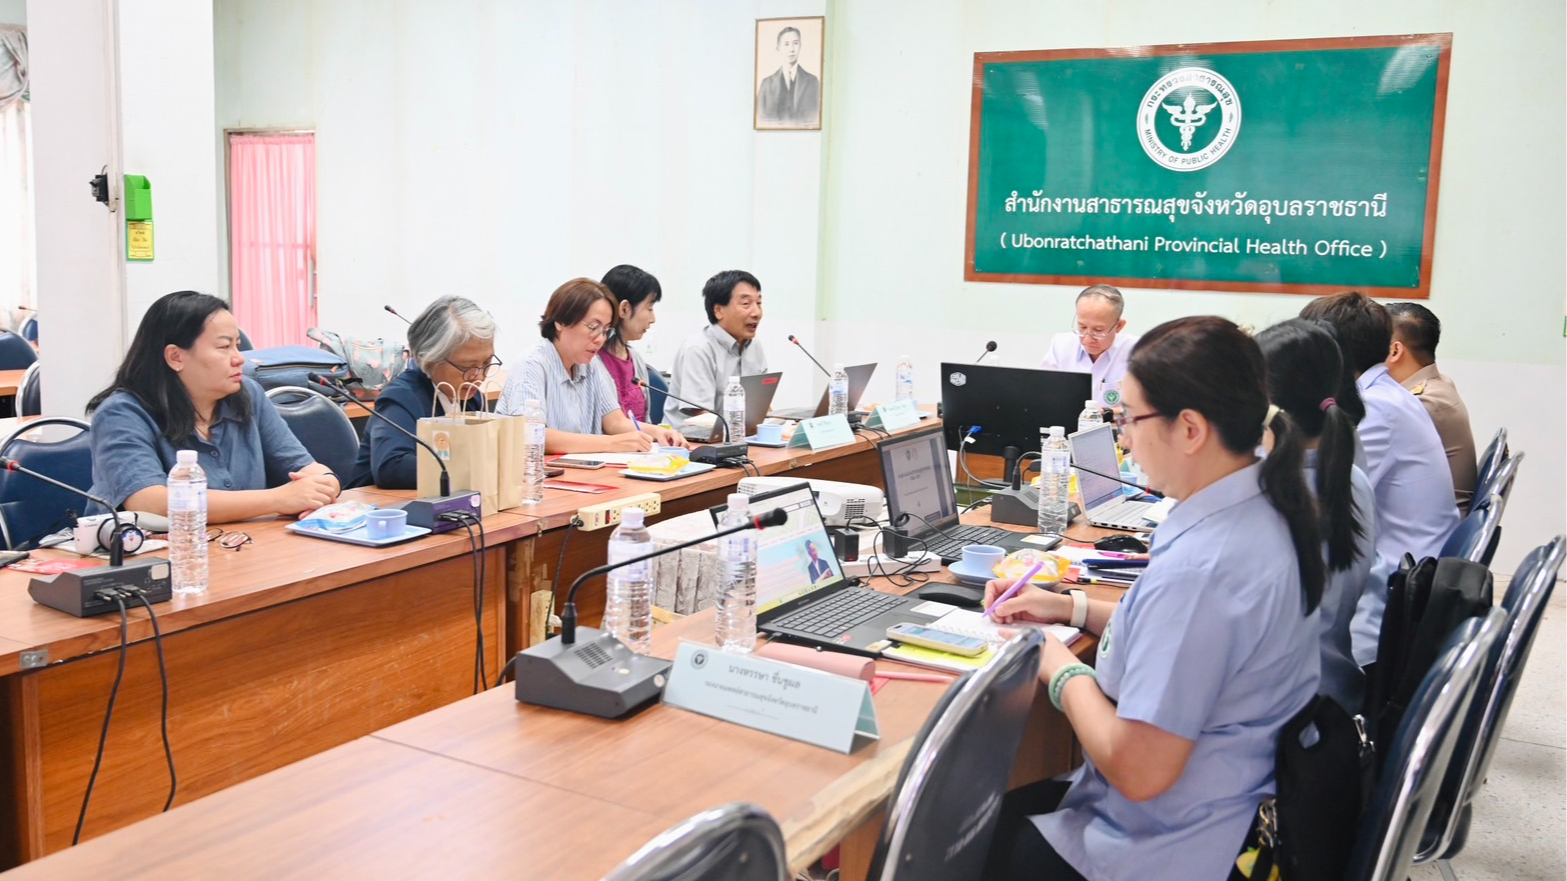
726	347
1412	361
1096	345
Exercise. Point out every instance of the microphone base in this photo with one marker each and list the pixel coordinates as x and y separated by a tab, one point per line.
715	454
596	676
75	592
427	512
1020	507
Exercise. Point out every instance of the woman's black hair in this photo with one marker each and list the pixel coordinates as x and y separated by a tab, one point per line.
1304	375
1210	366
175	319
629	285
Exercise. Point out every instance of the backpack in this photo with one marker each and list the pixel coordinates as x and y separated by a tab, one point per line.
291	366
372	363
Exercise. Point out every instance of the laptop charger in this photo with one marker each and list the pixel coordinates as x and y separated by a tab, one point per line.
880	564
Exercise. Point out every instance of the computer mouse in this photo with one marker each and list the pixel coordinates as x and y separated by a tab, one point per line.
1126	544
953	594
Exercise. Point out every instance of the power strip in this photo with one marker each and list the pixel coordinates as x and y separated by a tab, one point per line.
608	513
924	561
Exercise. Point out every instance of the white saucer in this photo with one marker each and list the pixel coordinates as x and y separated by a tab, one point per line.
976	575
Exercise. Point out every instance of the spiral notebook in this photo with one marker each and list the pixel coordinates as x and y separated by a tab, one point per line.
969	623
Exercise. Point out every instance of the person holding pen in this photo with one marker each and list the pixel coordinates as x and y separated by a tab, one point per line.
1205	658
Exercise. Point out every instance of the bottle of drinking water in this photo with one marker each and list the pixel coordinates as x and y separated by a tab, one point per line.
734	410
628	604
1054	482
1091	416
532	451
188	523
736	618
838	397
905	391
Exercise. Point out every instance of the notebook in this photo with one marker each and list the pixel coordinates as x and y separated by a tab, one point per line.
969	623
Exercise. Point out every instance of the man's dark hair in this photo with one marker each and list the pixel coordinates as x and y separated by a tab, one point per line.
1418	329
788	30
1364	329
720	289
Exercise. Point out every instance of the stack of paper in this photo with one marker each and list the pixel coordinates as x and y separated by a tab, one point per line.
975	624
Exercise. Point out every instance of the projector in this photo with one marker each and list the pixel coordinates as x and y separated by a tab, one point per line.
840	502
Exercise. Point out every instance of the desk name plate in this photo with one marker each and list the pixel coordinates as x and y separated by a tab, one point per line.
813	706
895	416
822	432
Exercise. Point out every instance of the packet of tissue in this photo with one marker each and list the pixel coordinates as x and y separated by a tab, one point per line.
666	460
1016	563
339	517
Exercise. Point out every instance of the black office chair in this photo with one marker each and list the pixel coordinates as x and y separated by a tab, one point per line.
59	447
1417	757
736	842
321	425
1490	462
1477	534
15	352
942	815
28	394
1448	828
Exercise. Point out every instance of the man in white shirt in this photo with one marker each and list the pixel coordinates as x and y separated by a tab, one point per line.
726	347
1095	346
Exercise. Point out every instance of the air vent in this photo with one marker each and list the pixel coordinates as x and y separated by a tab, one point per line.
854	509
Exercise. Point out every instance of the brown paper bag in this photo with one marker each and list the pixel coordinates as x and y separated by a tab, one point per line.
509	448
469	445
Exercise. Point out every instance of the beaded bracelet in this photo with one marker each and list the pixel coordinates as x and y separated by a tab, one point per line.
1067	674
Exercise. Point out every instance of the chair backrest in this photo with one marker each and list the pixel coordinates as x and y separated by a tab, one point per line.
736	842
321	425
1473	540
31	509
244	344
1417	757
29	329
1491	461
943	813
15	352
1502	485
656	396
29	396
1524	605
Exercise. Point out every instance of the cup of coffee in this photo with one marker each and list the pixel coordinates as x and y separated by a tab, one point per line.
769	433
386	522
985	557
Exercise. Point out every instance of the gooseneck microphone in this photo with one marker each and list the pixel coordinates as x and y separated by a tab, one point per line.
116	540
989	347
340	393
395	312
813	357
600	676
712	454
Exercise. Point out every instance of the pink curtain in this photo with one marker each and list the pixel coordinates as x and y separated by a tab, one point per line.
272	236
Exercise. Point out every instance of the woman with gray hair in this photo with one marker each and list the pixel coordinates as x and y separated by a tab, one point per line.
452	347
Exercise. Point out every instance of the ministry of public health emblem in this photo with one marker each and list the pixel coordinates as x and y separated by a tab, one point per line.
1189	119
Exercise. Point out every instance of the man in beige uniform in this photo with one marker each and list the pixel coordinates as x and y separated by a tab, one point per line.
1412	361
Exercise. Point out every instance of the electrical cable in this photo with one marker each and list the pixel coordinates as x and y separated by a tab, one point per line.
560	561
163	676
108	713
476	549
963	463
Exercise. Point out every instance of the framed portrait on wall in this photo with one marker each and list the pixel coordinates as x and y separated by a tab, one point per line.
789	75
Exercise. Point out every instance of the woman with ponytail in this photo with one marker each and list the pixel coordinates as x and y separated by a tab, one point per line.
1205	657
1305	375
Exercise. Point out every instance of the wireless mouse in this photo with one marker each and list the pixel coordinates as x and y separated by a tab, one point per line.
1126	544
953	594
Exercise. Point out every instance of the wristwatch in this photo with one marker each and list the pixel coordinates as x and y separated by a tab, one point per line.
1079	608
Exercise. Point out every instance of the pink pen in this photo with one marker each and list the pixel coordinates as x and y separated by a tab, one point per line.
1027	577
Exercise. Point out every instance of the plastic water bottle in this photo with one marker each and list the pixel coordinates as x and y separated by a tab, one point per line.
628	605
905	380
1090	417
734	410
532	451
838	398
736	618
1054	482
188	523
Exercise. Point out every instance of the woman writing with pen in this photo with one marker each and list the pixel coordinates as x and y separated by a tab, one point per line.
1206	656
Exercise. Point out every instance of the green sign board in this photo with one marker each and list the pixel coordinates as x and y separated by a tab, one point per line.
1300	166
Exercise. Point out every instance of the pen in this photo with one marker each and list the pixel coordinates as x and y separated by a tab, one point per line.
1027	577
913	677
634	423
1115	563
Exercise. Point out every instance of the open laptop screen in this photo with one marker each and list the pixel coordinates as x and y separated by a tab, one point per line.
914	469
1095	448
797	558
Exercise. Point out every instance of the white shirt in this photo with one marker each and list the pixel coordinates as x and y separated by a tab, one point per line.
703	365
1067	353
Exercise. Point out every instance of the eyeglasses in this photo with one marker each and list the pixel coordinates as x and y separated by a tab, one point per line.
595	330
1087	334
474	374
232	541
1121	420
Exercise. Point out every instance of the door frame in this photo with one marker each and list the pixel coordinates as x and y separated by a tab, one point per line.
228	192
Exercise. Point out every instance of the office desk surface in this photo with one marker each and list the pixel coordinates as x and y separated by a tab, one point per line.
10	381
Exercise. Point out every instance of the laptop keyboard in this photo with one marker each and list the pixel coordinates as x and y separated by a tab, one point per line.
950	542
840	613
1124	514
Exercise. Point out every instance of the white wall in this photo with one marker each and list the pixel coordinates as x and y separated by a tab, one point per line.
13	11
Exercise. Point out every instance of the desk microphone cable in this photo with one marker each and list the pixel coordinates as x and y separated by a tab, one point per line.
476	545
163	676
108	713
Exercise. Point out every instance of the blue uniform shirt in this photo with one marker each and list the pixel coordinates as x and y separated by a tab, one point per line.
130	453
387	457
1212	645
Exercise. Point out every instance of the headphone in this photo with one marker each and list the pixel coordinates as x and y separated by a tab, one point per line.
97	533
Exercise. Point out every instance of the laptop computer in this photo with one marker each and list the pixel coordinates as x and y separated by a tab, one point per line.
859	378
801	592
914	470
1105	502
759	391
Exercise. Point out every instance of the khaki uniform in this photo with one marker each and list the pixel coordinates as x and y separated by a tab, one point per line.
1451	418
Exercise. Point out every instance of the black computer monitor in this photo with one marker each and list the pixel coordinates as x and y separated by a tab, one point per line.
1009	404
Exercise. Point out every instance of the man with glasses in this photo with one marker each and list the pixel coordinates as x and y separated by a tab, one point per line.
726	347
1095	344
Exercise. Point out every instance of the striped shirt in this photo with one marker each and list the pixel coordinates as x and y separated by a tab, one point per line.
574	402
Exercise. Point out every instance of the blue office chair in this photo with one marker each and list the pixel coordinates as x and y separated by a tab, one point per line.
29	328
1477	534
957	770
656	397
15	352
244	341
31	509
736	842
321	425
28	394
1448	829
1501	483
1490	462
1417	757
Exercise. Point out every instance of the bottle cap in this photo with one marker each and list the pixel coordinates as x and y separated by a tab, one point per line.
1057	431
733	380
631	517
837	368
185	457
903	357
738	502
1090	405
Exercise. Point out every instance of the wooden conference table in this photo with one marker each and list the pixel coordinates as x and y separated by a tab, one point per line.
10	382
299	646
488	788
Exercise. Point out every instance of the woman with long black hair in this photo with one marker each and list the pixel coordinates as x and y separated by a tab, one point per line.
1206	657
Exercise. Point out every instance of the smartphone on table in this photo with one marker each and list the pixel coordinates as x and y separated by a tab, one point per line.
940	640
577	462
